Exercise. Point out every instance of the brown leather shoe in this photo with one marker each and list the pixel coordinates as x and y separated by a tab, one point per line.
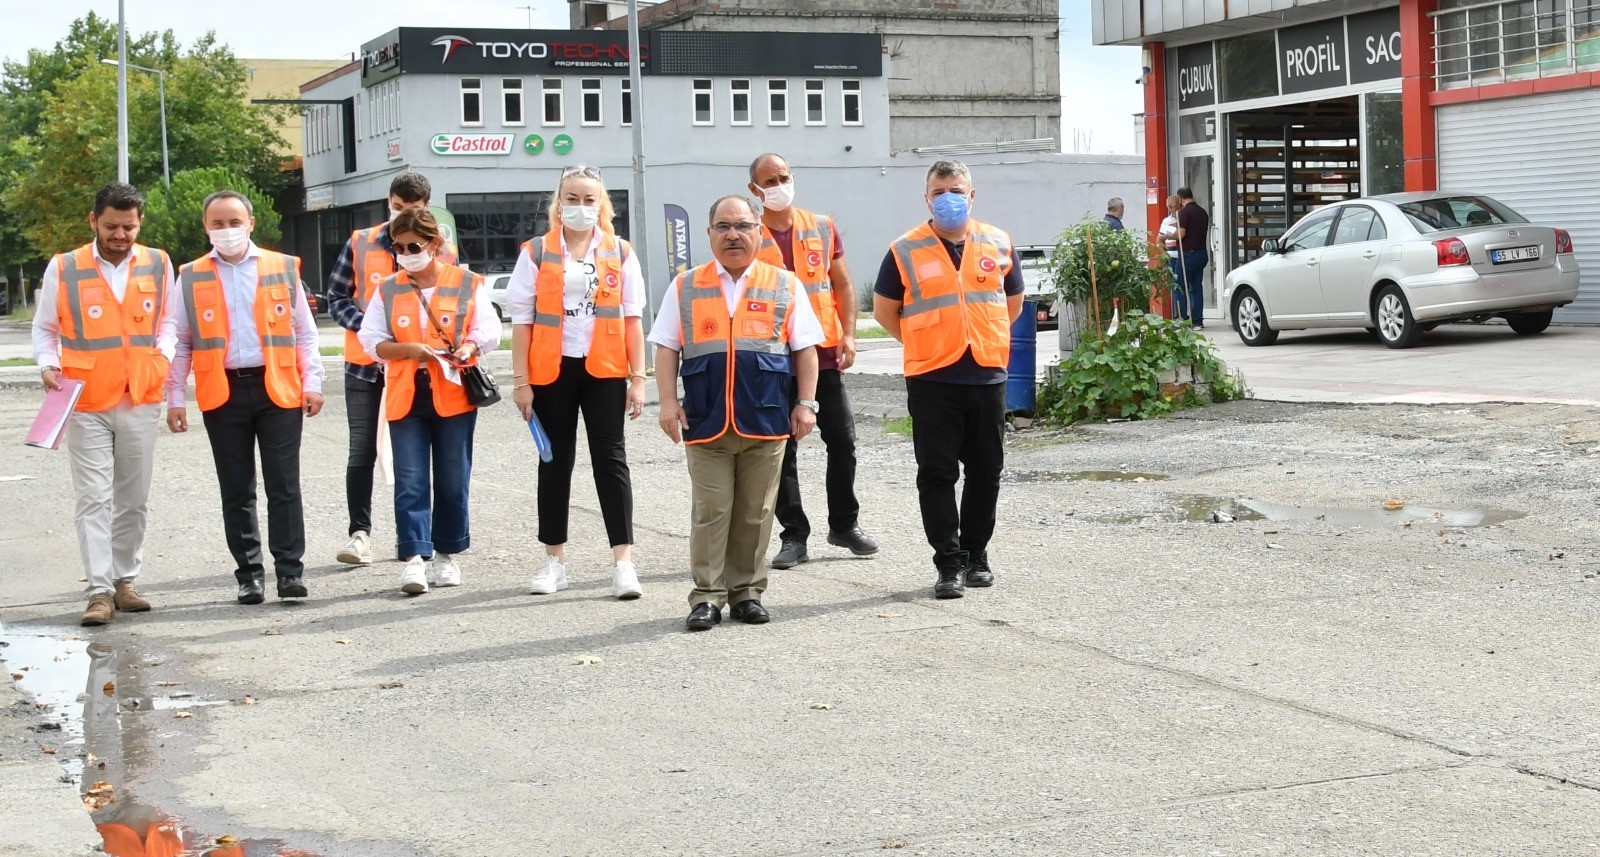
99	610
128	599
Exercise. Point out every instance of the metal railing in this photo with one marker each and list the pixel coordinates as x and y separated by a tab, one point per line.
1501	40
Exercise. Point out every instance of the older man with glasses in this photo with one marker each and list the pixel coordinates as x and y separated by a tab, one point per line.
735	327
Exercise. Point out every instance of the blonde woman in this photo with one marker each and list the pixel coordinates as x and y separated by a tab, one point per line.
426	310
576	299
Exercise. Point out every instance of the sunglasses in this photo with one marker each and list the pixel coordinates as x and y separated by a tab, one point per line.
411	249
581	170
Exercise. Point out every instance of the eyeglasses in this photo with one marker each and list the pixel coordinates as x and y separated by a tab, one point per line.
742	226
411	249
581	170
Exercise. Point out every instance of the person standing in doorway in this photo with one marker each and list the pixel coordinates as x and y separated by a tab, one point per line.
809	245
241	319
949	290
576	300
1114	209
367	260
1168	236
100	308
1194	224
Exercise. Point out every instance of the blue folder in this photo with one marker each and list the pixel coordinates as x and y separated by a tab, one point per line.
540	439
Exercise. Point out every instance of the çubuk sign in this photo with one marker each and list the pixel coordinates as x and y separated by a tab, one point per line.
472	144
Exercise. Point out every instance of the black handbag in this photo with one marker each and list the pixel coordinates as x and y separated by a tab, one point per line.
476	380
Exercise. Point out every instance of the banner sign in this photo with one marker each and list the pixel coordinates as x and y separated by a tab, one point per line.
678	259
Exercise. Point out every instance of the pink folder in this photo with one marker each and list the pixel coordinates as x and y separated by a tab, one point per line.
51	424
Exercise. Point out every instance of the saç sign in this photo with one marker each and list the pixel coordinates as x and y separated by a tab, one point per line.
1374	46
472	144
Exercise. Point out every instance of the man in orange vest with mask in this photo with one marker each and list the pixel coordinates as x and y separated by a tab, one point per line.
100	309
366	260
808	244
736	327
949	290
239	316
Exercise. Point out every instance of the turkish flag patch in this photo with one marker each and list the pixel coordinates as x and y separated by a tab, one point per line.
757	306
986	265
814	259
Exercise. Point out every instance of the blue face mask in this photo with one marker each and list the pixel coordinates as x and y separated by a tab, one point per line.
950	211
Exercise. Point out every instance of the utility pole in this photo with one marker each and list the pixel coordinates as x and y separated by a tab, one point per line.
637	210
122	93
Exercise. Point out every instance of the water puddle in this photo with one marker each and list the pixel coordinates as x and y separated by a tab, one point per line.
1029	476
1200	508
92	713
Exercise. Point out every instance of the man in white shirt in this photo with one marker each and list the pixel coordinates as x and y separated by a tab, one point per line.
241	321
736	356
96	323
1168	233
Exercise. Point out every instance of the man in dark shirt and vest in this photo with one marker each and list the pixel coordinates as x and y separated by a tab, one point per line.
949	290
809	245
735	329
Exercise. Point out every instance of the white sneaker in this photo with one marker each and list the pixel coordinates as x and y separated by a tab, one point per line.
414	580
553	578
625	582
445	571
358	551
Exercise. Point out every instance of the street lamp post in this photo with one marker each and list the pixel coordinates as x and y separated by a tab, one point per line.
161	86
122	94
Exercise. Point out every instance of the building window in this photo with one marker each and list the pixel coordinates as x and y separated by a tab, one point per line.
552	101
627	102
777	102
702	101
739	101
852	101
472	101
511	100
814	113
592	114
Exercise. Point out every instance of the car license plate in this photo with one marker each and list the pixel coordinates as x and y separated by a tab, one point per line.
1514	254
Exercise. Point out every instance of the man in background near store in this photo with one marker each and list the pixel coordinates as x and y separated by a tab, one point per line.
808	244
367	258
1194	224
1168	235
1114	210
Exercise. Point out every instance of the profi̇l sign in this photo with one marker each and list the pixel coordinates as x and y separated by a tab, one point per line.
1312	57
472	144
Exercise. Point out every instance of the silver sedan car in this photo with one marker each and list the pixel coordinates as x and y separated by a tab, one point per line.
1401	264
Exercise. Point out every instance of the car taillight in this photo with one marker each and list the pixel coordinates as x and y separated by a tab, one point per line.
1563	242
1451	252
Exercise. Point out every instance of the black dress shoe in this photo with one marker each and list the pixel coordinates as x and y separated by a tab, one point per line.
978	573
790	555
292	587
856	541
252	591
704	617
949	584
750	612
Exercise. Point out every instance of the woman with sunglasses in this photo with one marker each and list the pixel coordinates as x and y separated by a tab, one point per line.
430	320
576	299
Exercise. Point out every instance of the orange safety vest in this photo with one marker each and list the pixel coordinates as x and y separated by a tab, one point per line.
812	240
735	368
370	264
111	347
451	303
948	311
608	346
162	839
277	294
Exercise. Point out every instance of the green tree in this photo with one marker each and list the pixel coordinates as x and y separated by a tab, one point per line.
1121	268
175	222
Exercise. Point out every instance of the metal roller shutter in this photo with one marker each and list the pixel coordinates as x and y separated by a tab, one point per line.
1540	155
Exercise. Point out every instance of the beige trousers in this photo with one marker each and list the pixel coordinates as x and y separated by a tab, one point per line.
734	481
113	456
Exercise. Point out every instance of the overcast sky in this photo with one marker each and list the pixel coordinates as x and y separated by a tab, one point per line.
1099	95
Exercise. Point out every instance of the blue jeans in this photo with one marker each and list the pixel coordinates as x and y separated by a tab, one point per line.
1189	294
422	526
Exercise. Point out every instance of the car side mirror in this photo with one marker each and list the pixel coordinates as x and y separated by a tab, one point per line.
1271	245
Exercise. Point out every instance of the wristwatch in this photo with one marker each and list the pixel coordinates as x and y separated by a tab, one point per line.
809	403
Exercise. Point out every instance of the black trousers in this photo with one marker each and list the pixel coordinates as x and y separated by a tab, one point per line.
836	424
363	403
248	421
956	427
602	401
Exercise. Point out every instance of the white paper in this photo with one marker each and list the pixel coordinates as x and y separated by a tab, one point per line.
451	373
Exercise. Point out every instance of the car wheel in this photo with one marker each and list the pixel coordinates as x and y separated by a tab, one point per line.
1529	323
1396	327
501	311
1250	319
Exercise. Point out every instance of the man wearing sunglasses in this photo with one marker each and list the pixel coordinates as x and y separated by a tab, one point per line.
366	260
737	327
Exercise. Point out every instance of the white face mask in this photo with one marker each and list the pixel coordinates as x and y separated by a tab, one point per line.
393	213
778	197
414	262
231	241
579	218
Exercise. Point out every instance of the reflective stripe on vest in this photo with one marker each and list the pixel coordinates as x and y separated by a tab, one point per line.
276	295
93	323
452	305
607	355
370	264
811	243
948	311
750	392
